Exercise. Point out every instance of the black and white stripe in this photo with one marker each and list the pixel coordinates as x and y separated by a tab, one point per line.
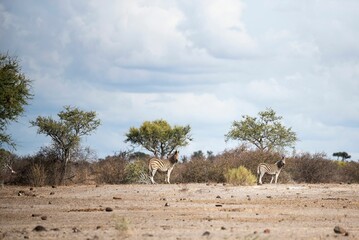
271	169
162	165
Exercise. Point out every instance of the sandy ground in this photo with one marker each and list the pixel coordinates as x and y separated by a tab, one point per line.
180	211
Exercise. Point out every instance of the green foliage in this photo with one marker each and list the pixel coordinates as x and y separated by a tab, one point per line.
134	172
266	132
240	176
343	155
341	164
66	133
159	137
14	94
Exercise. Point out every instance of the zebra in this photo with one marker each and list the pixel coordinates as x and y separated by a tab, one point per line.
163	165
271	169
4	169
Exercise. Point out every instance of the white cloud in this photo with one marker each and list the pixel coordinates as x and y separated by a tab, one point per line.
217	28
203	63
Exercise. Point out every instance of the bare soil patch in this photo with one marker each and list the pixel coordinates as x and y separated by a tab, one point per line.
180	211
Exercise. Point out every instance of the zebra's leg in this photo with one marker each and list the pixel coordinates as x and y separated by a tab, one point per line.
272	179
276	178
261	174
153	172
168	176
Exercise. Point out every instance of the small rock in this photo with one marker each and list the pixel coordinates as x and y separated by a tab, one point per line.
219	205
218	196
75	230
269	196
340	230
35	215
43	217
108	209
31	189
167	204
39	228
50	202
223	228
266	230
147	235
117	198
53	186
52	193
21	192
206	233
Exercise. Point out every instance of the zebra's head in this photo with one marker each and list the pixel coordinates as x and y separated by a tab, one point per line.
281	162
175	157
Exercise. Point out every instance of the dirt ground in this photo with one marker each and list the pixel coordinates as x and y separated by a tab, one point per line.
180	211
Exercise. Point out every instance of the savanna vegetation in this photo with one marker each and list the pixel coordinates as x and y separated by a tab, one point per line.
263	139
44	167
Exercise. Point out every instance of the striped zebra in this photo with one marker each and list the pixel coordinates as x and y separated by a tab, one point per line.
162	165
271	169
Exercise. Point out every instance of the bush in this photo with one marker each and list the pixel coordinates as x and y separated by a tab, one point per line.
240	176
136	172
37	175
350	172
110	170
313	169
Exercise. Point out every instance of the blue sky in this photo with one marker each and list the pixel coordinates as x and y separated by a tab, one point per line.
202	63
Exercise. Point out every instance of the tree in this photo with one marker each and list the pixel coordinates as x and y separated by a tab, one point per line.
343	155
66	133
159	137
265	132
198	154
14	95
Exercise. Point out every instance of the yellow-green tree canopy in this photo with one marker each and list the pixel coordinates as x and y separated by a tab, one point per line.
266	132
159	137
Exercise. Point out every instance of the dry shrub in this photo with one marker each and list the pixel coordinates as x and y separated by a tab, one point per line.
110	170
37	175
197	170
213	169
312	168
81	172
240	176
350	172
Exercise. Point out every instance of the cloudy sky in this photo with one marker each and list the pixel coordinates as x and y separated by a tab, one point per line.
203	63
